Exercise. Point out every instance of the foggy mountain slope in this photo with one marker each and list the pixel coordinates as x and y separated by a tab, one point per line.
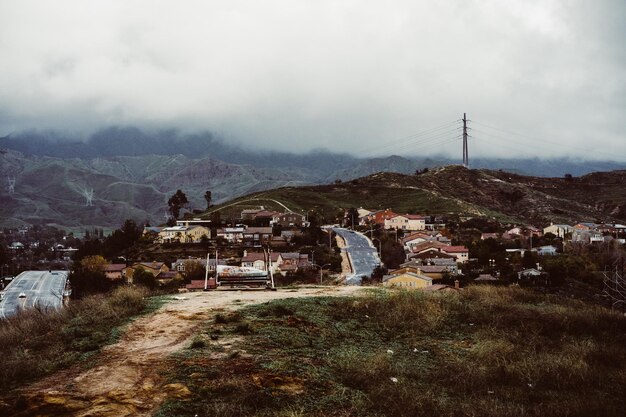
52	190
121	143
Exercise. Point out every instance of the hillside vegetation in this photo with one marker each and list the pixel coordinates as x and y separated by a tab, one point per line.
483	351
36	343
457	190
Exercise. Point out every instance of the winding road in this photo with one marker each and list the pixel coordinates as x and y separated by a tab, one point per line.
362	254
41	289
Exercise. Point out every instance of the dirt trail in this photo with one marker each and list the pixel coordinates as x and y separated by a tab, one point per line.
125	380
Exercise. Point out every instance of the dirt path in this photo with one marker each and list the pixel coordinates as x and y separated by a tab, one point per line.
125	380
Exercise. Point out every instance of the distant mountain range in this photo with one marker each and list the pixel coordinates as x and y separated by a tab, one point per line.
133	173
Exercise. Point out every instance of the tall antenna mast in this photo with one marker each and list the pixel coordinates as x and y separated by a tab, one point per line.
11	185
465	151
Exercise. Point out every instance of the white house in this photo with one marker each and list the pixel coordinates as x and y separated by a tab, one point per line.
587	236
232	234
183	234
257	260
461	253
559	230
406	222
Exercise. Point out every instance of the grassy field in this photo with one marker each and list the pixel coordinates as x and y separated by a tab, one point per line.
481	352
34	343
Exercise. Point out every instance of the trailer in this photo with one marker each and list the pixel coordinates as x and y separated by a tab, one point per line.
242	277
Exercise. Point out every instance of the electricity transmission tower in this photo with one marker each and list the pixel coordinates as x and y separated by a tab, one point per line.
89	197
465	152
615	285
11	185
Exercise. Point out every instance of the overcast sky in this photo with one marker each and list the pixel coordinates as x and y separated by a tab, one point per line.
341	75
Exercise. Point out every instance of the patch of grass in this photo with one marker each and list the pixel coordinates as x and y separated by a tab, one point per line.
197	343
243	328
233	317
36	343
481	352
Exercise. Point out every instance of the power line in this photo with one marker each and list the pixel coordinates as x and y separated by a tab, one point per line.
408	138
418	141
537	140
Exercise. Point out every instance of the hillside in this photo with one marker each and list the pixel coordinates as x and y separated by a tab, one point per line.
50	190
320	351
457	190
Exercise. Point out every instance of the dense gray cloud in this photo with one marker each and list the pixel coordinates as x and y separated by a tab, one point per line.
342	75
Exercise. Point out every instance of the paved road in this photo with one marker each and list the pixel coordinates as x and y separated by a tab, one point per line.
363	256
41	288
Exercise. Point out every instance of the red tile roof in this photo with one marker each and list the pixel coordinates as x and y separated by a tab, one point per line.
454	249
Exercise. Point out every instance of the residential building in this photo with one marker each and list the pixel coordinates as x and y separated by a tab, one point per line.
195	222
233	235
257	236
183	234
379	217
155	268
407	278
435	222
432	271
460	252
179	264
486	278
415	239
585	226
248	214
114	271
167	277
290	219
257	260
405	222
587	236
529	273
293	261
559	230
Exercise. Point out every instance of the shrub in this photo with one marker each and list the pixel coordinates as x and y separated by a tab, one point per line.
35	343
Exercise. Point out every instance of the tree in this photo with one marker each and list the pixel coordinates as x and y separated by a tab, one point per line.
194	270
4	256
93	263
392	253
145	278
88	277
529	260
122	239
352	217
207	197
176	202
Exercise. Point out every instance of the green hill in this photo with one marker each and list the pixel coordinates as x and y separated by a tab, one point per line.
457	190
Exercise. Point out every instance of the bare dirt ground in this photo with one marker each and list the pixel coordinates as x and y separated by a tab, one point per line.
125	380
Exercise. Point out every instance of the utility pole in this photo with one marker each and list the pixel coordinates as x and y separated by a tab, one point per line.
465	151
206	273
